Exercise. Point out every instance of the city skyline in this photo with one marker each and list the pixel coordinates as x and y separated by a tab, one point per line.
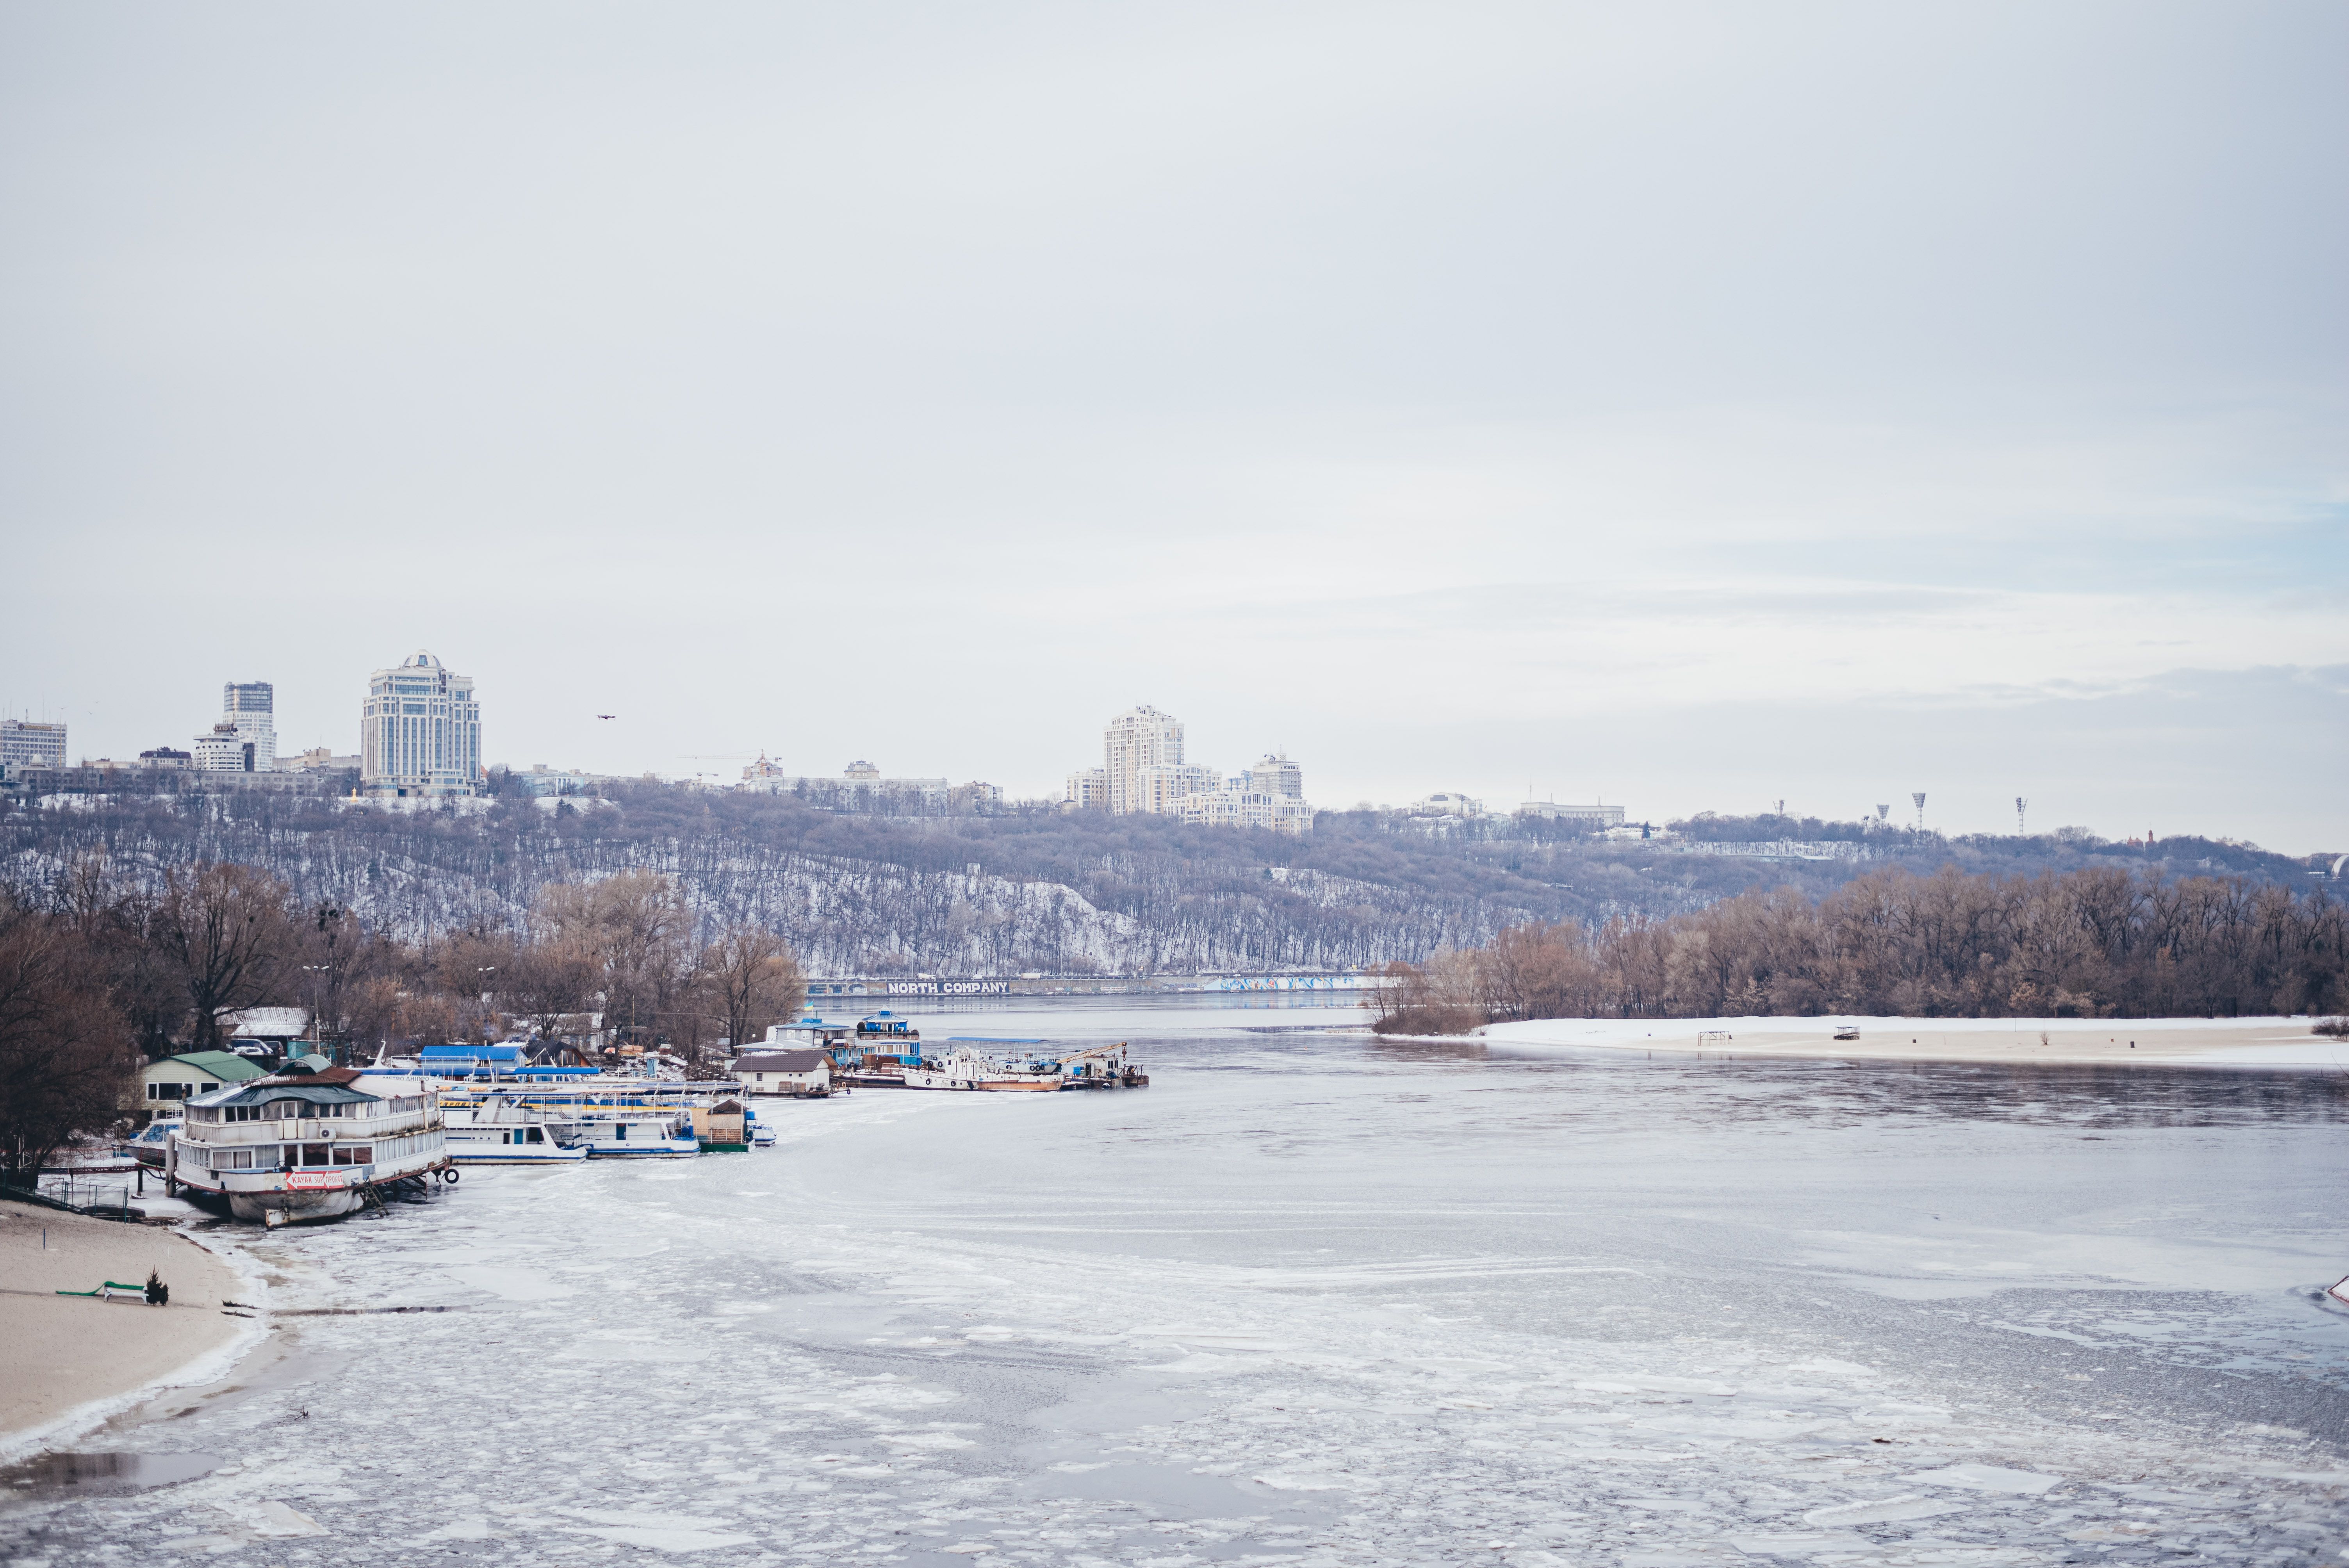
1690	410
1165	740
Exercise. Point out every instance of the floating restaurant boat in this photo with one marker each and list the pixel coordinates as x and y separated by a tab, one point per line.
306	1142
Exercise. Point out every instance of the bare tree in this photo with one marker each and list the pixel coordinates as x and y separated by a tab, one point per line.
229	934
636	927
65	1052
753	980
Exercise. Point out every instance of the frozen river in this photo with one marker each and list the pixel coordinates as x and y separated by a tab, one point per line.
1315	1299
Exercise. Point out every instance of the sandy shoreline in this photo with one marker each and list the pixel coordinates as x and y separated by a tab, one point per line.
61	1355
2269	1043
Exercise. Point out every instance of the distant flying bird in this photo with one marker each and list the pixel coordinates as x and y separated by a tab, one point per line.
608	716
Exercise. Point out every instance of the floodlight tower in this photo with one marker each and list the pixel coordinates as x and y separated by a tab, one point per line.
1920	797
2019	804
1883	814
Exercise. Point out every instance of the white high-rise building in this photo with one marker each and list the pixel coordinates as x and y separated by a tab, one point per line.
251	706
1276	776
419	732
1146	772
27	743
245	738
1139	743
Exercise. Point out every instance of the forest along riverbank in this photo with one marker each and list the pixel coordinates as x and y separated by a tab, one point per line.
1321	1298
2124	1042
59	1352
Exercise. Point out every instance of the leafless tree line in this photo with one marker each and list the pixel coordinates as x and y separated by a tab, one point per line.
2092	943
99	973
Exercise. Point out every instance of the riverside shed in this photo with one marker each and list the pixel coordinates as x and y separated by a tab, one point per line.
784	1072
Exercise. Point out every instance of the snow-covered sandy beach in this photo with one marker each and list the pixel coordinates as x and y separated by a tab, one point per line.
2165	1042
63	1355
1319	1299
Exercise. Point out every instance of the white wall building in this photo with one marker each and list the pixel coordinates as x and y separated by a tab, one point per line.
1239	805
1446	804
23	743
1138	741
245	738
1589	815
1145	771
251	706
1088	789
1277	775
419	732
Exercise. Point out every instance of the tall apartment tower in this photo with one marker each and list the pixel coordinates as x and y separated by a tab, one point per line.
251	708
26	743
1138	739
419	732
1276	776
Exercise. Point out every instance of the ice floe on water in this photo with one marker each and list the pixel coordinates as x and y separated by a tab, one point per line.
1316	1303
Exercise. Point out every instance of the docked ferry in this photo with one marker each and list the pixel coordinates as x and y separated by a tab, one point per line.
304	1143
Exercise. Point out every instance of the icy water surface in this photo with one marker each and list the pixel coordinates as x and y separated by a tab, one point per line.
1313	1299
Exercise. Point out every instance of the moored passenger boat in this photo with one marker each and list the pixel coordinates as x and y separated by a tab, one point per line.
631	1135
886	1047
304	1143
1103	1066
496	1131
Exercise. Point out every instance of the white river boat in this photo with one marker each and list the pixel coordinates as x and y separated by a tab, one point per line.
304	1143
497	1130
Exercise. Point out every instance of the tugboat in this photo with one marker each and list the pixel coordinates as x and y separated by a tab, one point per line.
304	1143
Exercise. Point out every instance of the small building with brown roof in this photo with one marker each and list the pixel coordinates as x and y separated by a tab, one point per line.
784	1072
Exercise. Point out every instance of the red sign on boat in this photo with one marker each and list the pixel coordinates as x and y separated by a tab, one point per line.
304	1181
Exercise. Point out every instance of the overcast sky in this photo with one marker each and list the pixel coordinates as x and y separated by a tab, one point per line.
1693	407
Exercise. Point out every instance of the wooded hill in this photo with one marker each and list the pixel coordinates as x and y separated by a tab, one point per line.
1026	890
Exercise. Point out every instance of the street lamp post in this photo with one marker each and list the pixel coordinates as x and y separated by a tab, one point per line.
489	1018
314	971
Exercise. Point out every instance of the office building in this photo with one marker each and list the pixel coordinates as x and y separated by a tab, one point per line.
23	743
227	749
251	706
419	732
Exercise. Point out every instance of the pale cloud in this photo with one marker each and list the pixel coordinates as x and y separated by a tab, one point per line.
1467	396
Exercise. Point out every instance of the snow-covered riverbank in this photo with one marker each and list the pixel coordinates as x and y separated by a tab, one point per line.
2167	1042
